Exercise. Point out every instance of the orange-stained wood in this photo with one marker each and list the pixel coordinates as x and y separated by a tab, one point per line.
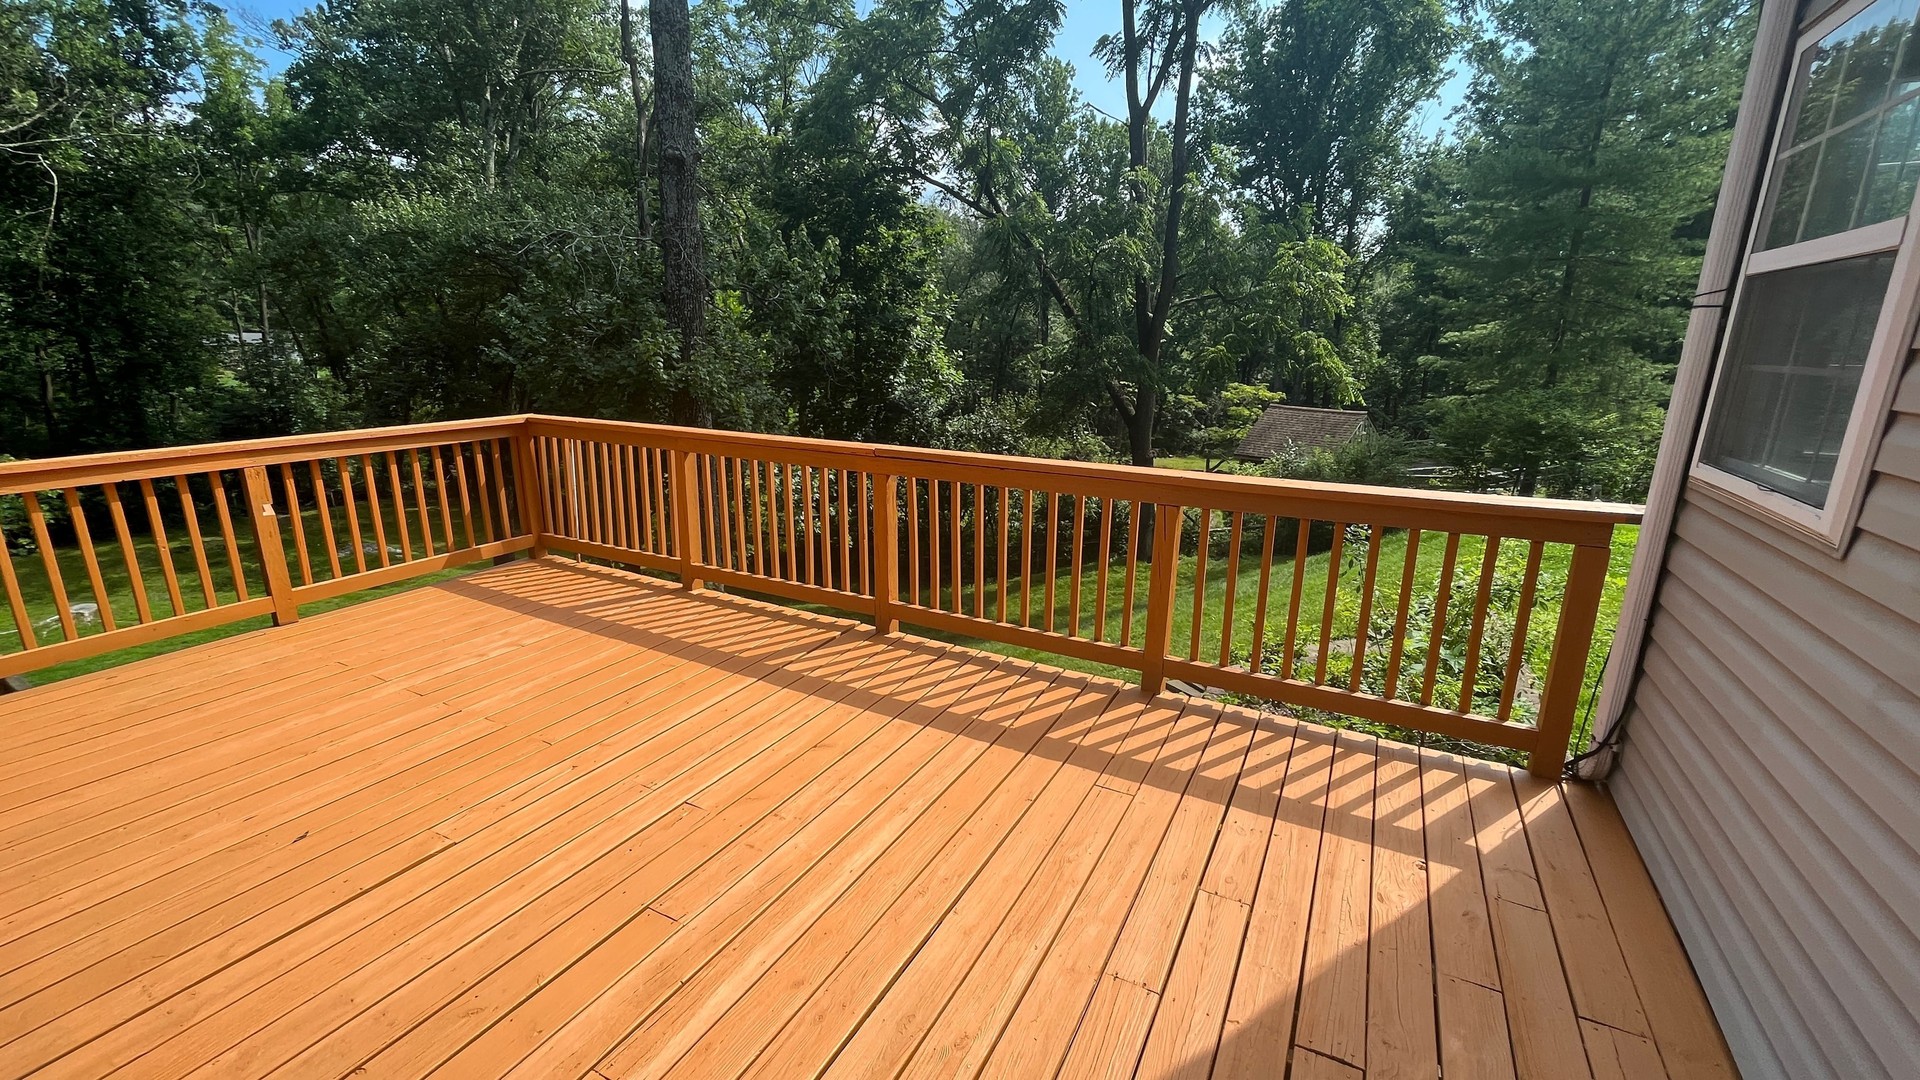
85	539
135	583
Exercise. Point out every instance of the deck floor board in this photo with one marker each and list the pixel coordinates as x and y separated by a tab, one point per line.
558	820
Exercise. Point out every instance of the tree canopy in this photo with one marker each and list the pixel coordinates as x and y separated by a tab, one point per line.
895	221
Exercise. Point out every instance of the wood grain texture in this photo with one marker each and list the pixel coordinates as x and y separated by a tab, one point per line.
558	820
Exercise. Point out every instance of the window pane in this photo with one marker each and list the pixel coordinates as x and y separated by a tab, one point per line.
1791	369
1853	132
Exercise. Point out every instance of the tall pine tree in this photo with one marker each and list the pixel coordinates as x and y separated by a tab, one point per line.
1594	135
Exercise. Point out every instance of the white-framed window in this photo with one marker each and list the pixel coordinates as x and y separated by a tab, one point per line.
1824	311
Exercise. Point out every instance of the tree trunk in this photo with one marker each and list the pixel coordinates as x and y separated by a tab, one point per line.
682	251
642	114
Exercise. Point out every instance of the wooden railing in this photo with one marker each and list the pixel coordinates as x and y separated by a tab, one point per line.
137	547
1426	610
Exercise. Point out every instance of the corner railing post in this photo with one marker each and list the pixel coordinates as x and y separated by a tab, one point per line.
1163	576
686	515
886	553
273	551
1567	670
528	491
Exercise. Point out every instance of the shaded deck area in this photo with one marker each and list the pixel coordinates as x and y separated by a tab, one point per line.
557	821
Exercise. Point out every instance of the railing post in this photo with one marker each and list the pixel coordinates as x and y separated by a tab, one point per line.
886	553
1567	670
686	515
1164	575
527	487
273	551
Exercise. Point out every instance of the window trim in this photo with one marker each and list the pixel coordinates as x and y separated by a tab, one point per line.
1831	525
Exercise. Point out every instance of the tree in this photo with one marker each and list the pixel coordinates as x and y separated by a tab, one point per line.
1316	97
682	246
1579	197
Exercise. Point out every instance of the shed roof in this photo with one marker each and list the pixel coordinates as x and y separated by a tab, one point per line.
1284	426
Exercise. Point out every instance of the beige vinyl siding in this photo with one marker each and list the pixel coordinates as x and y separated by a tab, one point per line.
1771	772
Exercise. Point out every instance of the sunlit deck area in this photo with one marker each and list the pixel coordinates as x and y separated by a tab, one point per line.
553	820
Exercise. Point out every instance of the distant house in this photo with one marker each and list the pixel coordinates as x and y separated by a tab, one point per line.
1284	427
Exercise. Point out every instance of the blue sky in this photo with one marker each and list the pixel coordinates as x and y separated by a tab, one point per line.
1085	21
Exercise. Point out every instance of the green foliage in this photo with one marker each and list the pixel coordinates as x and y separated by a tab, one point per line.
1372	457
915	228
1564	234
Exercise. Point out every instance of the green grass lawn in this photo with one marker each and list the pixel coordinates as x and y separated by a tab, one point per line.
42	611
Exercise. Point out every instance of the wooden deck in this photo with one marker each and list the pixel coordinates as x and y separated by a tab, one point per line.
555	821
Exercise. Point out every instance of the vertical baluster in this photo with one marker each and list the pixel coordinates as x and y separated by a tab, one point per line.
1053	552
1133	565
953	549
979	553
760	544
554	493
1398	650
934	562
1076	536
348	501
716	545
1470	669
840	480
164	549
1203	539
1106	560
440	492
1006	528
141	605
484	495
85	537
225	514
420	501
37	520
786	500
325	511
1367	580
1441	598
1517	650
738	524
194	537
645	479
806	510
459	455
519	482
1026	556
913	541
624	503
1237	522
778	558
1304	530
375	511
662	509
1260	599
869	540
292	494
400	507
1327	609
16	600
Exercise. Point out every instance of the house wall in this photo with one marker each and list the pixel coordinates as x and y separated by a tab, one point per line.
1771	773
1770	762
